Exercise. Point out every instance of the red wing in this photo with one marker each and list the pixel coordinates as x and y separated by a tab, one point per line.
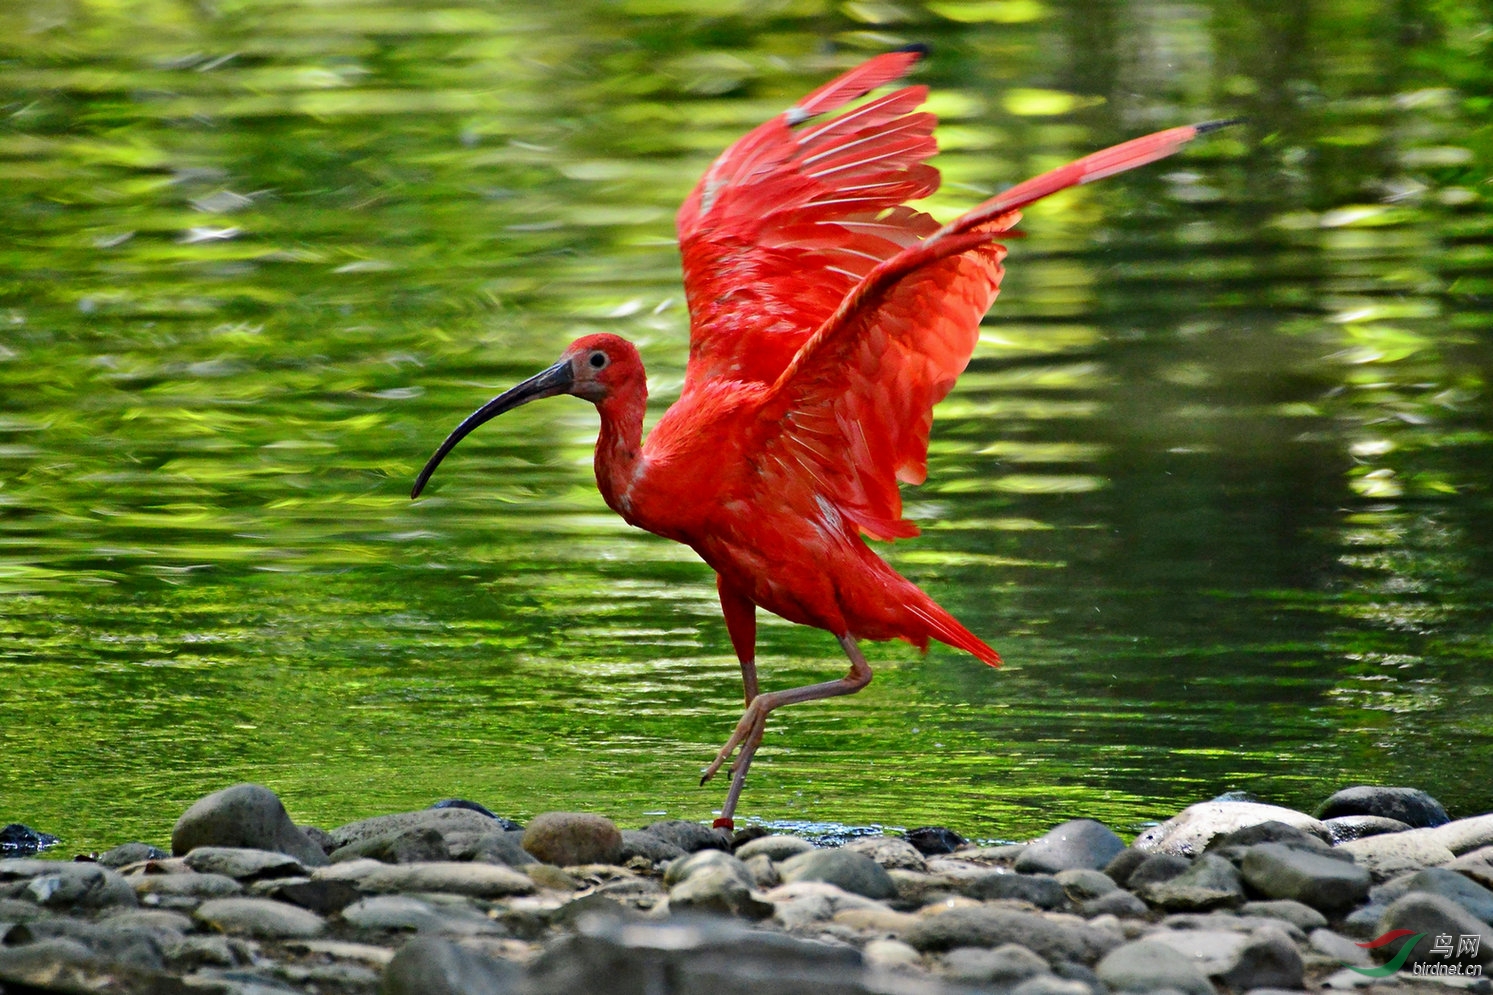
852	411
791	218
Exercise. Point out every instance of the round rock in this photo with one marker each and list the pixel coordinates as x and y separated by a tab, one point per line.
1077	843
245	815
774	847
569	838
1411	806
1148	966
1188	833
854	872
689	836
261	918
432	965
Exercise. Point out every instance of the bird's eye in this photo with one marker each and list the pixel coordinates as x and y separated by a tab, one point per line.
598	360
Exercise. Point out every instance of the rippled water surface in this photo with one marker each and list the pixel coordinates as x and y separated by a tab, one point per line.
1216	484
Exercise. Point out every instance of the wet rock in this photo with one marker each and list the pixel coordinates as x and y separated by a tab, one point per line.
130	853
641	843
1155	868
1356	827
1210	883
245	815
934	840
402	846
1329	885
890	852
1041	890
1149	966
1410	806
1008	965
1077	843
18	840
452	877
991	926
1302	916
261	918
777	848
57	885
433	965
854	872
568	838
1435	917
1393	854
689	836
1189	832
243	864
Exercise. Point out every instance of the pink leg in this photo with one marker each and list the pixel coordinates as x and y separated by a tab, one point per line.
749	730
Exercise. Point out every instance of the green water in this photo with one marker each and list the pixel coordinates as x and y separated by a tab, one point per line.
1218	484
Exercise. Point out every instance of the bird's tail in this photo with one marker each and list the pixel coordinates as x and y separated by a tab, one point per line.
947	629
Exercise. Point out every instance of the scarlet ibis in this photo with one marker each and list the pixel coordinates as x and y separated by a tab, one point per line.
827	318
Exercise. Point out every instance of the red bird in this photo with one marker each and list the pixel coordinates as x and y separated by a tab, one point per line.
827	318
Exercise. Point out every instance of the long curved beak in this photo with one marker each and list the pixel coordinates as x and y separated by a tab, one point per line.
558	379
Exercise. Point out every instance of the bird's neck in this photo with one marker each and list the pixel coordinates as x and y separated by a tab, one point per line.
619	446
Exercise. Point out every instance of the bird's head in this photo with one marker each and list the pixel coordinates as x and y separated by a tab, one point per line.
594	367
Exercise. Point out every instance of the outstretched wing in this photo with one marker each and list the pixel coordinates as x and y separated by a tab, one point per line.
853	408
785	224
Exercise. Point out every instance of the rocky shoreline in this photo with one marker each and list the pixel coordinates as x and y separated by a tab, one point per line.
1228	896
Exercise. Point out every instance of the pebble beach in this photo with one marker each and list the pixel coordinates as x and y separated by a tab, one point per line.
1377	890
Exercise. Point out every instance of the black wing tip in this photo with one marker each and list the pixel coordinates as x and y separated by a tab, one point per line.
917	48
1229	122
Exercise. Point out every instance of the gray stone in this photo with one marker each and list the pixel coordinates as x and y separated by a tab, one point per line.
1436	916
689	836
1393	854
702	860
325	898
990	926
261	918
131	945
1041	890
1077	843
245	815
1210	883
1156	868
56	965
1050	984
1149	966
890	852
1356	827
1125	863
776	847
432	965
130	853
243	864
1449	884
934	840
569	838
1329	885
719	889
452	877
501	847
407	913
1232	846
1298	914
57	885
1189	832
401	846
641	843
1007	965
1232	922
1337	947
1081	883
1463	835
1115	903
1268	960
195	886
446	821
1408	805
805	904
854	872
695	955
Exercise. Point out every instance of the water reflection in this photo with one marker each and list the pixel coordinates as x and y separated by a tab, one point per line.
1216	483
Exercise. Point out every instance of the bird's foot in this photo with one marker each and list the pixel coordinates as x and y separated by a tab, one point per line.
748	731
